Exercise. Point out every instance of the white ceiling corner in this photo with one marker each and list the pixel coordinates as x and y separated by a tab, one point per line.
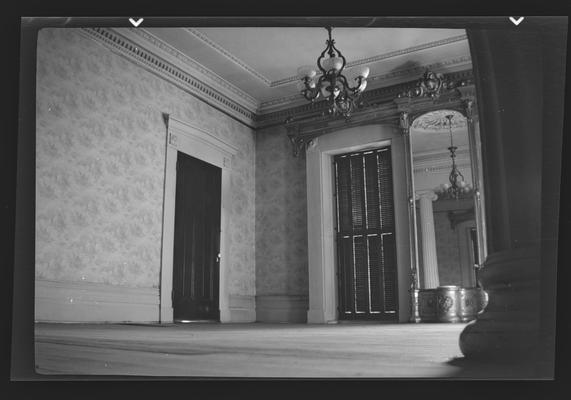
256	67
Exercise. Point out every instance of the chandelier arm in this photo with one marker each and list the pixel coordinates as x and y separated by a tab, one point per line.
354	89
310	94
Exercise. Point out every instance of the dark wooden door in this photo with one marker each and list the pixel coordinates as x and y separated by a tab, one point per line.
197	240
366	248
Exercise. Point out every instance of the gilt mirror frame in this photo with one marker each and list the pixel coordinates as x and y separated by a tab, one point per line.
460	97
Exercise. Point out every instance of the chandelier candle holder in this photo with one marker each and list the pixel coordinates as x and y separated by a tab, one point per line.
456	186
332	85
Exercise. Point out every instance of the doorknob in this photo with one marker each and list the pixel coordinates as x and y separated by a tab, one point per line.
218	257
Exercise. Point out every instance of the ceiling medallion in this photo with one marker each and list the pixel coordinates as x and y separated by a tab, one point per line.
438	121
332	85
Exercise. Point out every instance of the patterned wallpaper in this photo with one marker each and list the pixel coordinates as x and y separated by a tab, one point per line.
281	216
100	154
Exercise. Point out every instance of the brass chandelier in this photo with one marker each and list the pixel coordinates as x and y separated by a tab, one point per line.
456	186
332	85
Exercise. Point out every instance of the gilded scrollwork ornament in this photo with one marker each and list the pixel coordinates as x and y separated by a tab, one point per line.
432	85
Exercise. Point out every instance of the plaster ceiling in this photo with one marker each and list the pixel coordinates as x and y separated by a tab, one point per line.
430	134
262	62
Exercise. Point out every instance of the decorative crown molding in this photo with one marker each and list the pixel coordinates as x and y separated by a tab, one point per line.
169	71
380	57
419	69
221	50
291	79
196	66
170	64
408	50
435	162
394	77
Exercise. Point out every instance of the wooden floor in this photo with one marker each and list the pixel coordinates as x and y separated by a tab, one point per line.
260	350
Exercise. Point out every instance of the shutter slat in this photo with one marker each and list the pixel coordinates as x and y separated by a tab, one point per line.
375	268
366	252
357	192
372	192
361	275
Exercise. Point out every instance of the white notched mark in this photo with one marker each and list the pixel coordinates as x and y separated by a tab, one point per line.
137	22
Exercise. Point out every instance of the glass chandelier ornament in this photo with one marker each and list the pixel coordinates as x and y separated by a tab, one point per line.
332	85
456	185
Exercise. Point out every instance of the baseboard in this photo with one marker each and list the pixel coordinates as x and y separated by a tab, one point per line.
281	308
94	302
315	316
242	308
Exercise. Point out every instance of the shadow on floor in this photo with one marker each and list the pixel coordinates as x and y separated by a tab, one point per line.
500	369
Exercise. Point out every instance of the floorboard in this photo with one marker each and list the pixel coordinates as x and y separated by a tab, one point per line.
260	350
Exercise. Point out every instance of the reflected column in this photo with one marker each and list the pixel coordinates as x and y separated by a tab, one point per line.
428	237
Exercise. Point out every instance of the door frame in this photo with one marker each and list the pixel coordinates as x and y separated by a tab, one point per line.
198	143
323	296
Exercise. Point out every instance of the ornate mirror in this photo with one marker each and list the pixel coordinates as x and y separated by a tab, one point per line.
445	200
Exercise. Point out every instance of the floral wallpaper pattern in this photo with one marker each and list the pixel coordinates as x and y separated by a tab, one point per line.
281	216
100	159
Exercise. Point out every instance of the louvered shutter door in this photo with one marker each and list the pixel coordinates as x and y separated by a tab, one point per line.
366	259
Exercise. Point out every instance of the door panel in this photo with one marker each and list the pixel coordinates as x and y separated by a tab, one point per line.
197	240
366	261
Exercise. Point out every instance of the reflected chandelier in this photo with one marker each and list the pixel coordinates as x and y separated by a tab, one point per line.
457	185
332	85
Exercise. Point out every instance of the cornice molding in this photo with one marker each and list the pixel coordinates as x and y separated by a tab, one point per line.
290	79
408	50
394	77
440	161
440	168
419	69
231	57
374	98
383	107
195	66
384	56
171	72
158	57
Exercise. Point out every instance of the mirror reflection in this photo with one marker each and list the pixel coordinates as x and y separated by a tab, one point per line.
446	227
446	224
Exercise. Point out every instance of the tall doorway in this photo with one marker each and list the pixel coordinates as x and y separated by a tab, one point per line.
365	232
196	271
